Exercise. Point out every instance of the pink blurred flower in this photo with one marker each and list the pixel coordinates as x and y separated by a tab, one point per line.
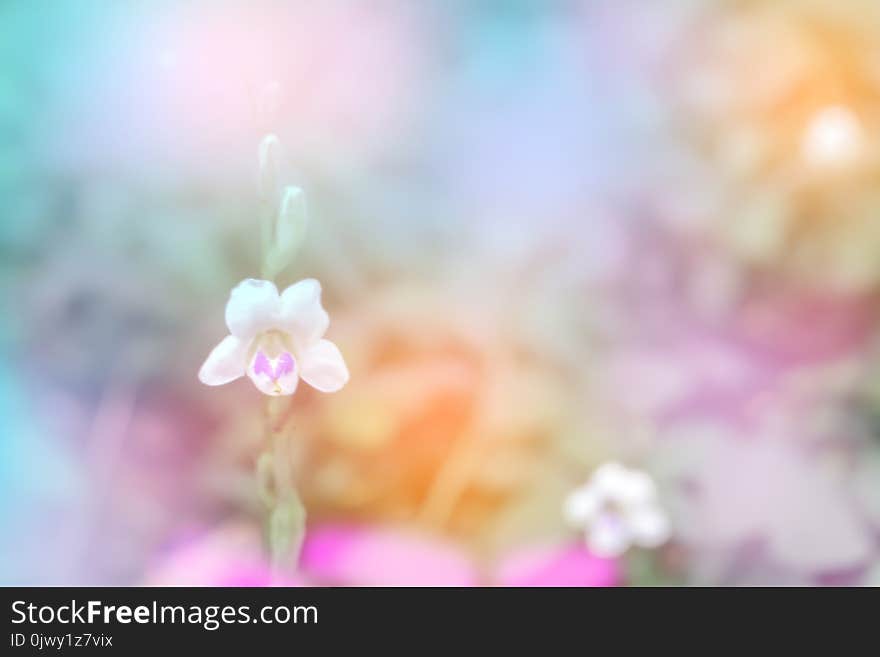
362	555
557	565
369	556
231	555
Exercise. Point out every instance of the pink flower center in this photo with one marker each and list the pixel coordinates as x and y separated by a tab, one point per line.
274	368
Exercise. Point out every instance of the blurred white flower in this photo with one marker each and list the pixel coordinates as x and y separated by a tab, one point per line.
276	340
617	508
833	137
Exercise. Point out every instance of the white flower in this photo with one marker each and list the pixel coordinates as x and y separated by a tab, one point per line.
276	340
617	508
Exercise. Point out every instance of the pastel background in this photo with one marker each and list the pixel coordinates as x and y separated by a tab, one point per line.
550	235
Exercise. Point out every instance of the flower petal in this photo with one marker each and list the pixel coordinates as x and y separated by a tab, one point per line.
384	556
624	485
253	307
229	556
323	368
649	526
636	489
609	536
557	565
302	315
581	506
269	158
609	478
225	363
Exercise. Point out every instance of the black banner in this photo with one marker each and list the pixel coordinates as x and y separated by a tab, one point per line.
149	620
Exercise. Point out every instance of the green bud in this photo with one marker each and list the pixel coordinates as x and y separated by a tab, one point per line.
270	158
289	234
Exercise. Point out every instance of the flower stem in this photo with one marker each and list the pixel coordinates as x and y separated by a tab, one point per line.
286	513
286	520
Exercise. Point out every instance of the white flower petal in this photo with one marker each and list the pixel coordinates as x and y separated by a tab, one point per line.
609	478
608	536
636	489
302	315
649	526
323	368
225	363
269	157
581	506
623	485
253	307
